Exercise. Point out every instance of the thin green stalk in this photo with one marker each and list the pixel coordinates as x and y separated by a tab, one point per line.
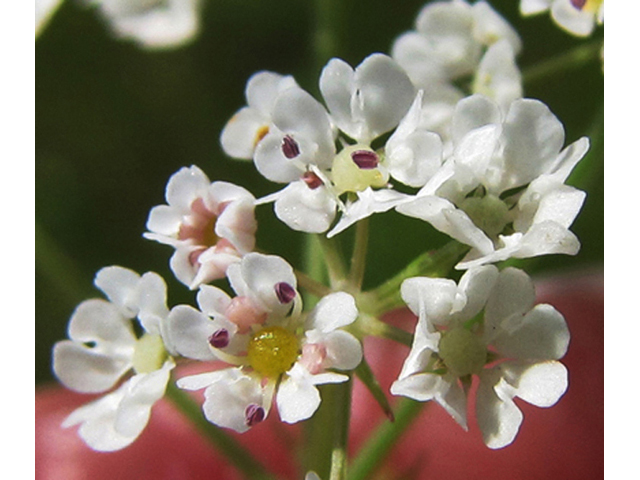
382	441
359	255
334	261
370	325
243	460
311	285
571	59
341	431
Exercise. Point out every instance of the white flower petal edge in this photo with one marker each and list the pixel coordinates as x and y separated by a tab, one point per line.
153	25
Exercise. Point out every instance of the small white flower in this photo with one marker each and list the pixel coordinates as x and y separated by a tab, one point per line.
103	349
488	326
273	350
578	17
507	197
154	24
210	225
249	125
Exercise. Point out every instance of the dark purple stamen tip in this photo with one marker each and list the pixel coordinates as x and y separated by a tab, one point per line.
285	292
290	148
365	159
253	414
219	338
312	180
579	4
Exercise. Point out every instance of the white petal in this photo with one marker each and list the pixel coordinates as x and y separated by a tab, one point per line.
533	137
263	89
164	220
185	186
143	391
436	298
237	224
474	112
152	302
305	209
477	284
97	420
577	22
212	300
513	295
119	285
344	351
272	163
498	416
498	75
297	397
490	27
262	273
541	334
84	370
334	311
369	202
242	133
531	7
540	384
189	331
386	92
229	396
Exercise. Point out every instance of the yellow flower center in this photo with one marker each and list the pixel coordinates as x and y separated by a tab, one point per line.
462	351
149	354
357	167
272	351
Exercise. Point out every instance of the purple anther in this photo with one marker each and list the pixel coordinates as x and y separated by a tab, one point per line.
290	148
365	159
579	4
253	414
285	292
312	180
219	338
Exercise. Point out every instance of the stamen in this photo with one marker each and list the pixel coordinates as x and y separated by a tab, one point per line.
365	159
219	338
312	180
254	414
290	148
285	292
579	4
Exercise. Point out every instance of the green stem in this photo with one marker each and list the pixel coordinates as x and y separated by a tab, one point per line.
382	441
312	286
359	255
244	461
370	325
341	431
334	261
574	58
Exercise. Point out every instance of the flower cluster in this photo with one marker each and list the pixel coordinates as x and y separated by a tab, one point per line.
436	131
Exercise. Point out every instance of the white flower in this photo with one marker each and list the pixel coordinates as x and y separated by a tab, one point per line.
454	40
273	349
210	225
488	326
507	197
103	349
364	103
153	24
578	17
249	125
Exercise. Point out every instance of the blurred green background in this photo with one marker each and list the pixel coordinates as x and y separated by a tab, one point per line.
114	122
